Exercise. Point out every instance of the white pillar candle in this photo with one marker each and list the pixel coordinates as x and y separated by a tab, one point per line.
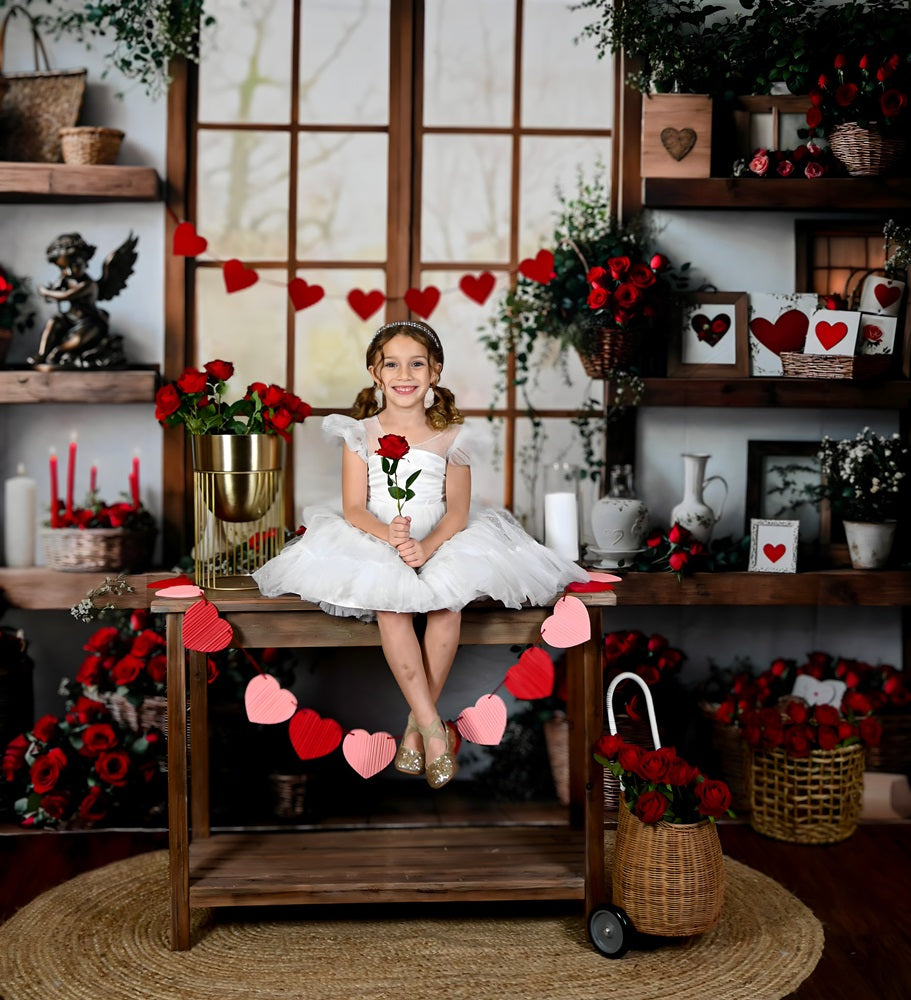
561	524
19	494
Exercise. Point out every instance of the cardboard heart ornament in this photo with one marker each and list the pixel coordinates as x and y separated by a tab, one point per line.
678	142
774	552
237	277
569	625
787	333
831	334
365	304
187	243
311	735
203	630
266	701
887	294
533	676
478	288
368	753
422	300
540	268
485	723
304	295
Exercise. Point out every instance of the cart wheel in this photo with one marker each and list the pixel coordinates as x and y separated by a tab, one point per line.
610	930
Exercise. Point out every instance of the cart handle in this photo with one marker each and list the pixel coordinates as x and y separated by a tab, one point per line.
627	675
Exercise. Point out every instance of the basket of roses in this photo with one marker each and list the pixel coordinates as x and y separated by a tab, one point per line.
668	867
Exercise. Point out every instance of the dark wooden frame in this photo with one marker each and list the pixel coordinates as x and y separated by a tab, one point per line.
741	365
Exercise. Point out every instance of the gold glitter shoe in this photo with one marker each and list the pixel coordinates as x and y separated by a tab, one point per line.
442	769
407	759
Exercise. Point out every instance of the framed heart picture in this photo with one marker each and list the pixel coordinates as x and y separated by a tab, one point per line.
877	333
773	546
712	340
833	331
778	322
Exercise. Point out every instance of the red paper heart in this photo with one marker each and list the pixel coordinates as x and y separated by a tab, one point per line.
186	241
203	629
787	333
830	334
368	753
592	587
478	288
313	736
886	294
533	676
710	331
539	268
569	625
774	552
422	301
169	581
365	304
485	723
238	277
303	295
266	701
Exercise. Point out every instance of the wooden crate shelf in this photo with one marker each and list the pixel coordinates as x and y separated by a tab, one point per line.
69	182
124	385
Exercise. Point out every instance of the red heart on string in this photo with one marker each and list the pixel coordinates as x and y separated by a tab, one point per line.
592	587
303	295
169	581
313	736
187	243
478	287
365	304
533	676
267	701
540	268
368	753
238	277
203	630
787	333
830	334
886	294
485	723
422	301
773	552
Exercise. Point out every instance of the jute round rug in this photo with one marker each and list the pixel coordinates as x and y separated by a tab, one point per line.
105	934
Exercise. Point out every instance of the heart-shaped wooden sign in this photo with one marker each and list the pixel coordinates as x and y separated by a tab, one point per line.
485	723
368	753
569	625
238	277
303	295
365	304
477	288
710	329
266	701
533	676
422	300
787	333
539	268
311	735
203	630
830	334
187	243
678	142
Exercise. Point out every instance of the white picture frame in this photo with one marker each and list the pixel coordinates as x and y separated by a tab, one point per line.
777	322
773	546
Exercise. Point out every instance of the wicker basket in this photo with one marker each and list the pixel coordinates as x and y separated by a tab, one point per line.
80	550
835	366
611	349
84	144
151	713
633	731
556	739
893	755
807	800
289	795
864	152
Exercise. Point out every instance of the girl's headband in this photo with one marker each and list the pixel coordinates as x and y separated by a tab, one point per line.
431	335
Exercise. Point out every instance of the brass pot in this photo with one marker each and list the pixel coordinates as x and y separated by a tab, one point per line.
239	466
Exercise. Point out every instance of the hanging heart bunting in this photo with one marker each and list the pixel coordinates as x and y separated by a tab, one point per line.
203	630
187	243
422	301
539	268
238	277
368	753
478	288
313	736
533	676
485	723
303	295
365	304
266	701
569	625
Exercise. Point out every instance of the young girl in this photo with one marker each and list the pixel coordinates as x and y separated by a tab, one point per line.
368	560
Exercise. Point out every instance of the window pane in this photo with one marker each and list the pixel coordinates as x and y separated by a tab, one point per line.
242	194
564	85
246	327
331	340
245	70
344	74
468	62
341	211
465	210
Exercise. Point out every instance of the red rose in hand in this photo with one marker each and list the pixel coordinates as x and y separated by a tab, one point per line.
714	798
393	447
651	806
45	771
221	371
113	767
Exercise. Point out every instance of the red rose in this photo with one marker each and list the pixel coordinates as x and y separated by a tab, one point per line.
97	738
654	539
811	171
857	702
608	745
126	670
864	61
157	668
651	806
656	643
93	808
760	163
102	640
841	60
596	297
785	168
653	766
827	715
14	757
752	735
618	266
272	396
146	642
677	560
258	387
167	401
595	274
45	727
678	535
642	276
45	771
823	82
118	514
627	296
679	773
659	263
798	711
846	94
827	737
56	805
139	619
6	289
192	380
883	74
714	797
798	740
392	446
113	767
800	153
221	371
84	710
725	712
280	419
771	737
893	102
212	670
871	731
846	730
628	757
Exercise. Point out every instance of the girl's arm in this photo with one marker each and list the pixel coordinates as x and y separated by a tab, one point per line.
458	497
354	503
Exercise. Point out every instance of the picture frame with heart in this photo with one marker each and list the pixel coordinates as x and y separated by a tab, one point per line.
833	332
773	546
712	337
778	323
881	295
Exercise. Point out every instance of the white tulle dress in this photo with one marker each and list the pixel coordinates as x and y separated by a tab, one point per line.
349	572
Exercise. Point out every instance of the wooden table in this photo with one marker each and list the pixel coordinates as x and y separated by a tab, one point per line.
381	865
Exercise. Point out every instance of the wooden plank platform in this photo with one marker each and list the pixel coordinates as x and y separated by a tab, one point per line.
59	385
453	863
67	181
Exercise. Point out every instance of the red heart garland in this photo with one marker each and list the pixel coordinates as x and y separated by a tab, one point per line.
313	736
303	295
773	552
238	277
478	288
886	294
539	268
365	304
533	676
422	301
187	243
787	333
830	334
204	630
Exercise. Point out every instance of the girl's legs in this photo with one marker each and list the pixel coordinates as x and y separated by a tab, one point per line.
441	643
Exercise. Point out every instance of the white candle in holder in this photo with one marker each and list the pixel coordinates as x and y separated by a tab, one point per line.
561	509
20	493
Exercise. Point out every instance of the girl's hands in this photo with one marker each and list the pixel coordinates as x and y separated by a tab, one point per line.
398	531
412	553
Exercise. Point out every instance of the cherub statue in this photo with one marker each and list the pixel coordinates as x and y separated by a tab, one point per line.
78	335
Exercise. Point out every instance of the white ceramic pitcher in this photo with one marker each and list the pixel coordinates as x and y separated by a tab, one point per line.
693	512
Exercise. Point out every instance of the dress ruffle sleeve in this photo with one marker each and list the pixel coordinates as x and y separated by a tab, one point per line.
351	431
471	446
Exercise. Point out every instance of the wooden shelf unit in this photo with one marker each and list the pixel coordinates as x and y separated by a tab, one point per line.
120	385
69	182
764	194
41	589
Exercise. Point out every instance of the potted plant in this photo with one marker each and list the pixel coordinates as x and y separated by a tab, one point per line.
15	314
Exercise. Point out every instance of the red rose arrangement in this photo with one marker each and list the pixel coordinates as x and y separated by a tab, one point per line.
392	449
650	657
658	786
626	292
675	550
196	400
808	160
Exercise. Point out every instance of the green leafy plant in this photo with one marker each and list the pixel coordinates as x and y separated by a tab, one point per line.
897	249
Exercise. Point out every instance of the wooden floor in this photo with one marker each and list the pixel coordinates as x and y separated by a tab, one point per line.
858	888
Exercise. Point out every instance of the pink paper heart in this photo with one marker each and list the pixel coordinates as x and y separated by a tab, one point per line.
181	590
886	294
311	735
368	753
604	577
485	723
774	552
533	676
267	701
569	625
203	630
